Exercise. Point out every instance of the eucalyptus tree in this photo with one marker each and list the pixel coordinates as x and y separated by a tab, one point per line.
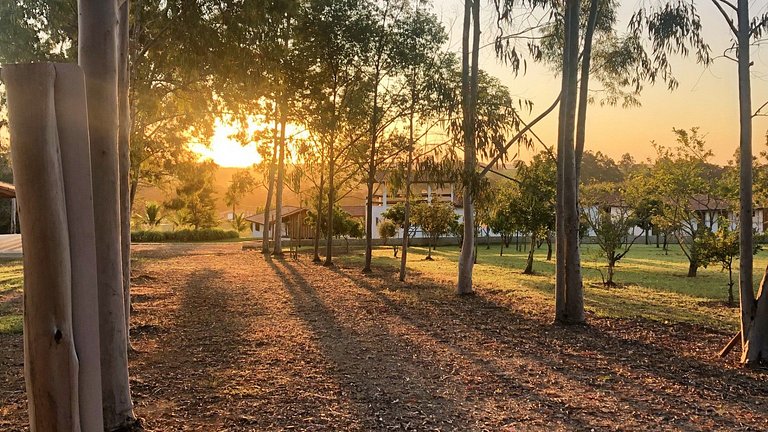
336	41
426	78
470	52
622	63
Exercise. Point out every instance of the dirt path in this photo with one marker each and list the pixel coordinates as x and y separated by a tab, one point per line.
229	341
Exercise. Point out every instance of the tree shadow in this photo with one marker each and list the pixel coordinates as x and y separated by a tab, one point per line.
612	362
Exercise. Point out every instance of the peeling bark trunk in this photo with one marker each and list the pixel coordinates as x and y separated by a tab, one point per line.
97	53
51	366
331	192
72	119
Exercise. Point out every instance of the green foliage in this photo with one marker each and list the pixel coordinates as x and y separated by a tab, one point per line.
152	215
239	223
241	184
387	230
598	168
611	219
722	248
194	203
344	226
532	208
184	235
434	219
396	214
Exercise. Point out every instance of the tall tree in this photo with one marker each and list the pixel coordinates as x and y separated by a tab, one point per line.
470	51
97	54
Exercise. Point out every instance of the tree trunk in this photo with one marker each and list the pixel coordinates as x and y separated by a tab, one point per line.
469	91
124	155
586	62
487	238
569	301
97	53
407	211
529	263
331	192
371	173
611	270
50	362
278	234
692	268
501	249
549	246
746	290
72	119
270	189
755	349
320	193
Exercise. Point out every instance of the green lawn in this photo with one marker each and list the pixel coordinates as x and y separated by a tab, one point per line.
652	285
11	280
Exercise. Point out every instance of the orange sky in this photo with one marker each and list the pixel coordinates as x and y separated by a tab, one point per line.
707	98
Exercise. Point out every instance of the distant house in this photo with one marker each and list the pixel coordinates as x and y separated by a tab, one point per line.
422	191
292	226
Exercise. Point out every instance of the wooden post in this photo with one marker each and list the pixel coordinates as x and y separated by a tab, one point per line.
50	361
72	121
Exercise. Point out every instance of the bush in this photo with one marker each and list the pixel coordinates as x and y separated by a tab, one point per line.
185	235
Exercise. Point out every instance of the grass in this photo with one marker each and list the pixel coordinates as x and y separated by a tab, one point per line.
11	282
653	285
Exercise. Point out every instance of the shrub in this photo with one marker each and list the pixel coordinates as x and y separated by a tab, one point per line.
185	235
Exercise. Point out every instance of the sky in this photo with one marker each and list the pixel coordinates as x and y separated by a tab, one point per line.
707	97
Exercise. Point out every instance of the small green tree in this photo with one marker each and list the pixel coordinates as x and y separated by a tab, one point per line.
239	223
722	247
242	183
194	199
434	220
611	220
151	216
532	208
388	230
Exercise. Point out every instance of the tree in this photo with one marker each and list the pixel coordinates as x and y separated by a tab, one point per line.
690	191
98	56
239	222
721	248
152	215
387	230
194	200
532	207
242	183
612	221
434	220
469	92
502	221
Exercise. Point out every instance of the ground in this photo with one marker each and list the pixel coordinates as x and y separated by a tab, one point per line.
226	340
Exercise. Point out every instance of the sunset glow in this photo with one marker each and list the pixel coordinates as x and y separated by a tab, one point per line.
226	151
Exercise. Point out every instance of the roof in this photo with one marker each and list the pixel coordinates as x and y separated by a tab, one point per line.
285	212
357	211
703	202
7	190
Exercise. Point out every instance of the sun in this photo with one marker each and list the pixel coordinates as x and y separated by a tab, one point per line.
226	151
